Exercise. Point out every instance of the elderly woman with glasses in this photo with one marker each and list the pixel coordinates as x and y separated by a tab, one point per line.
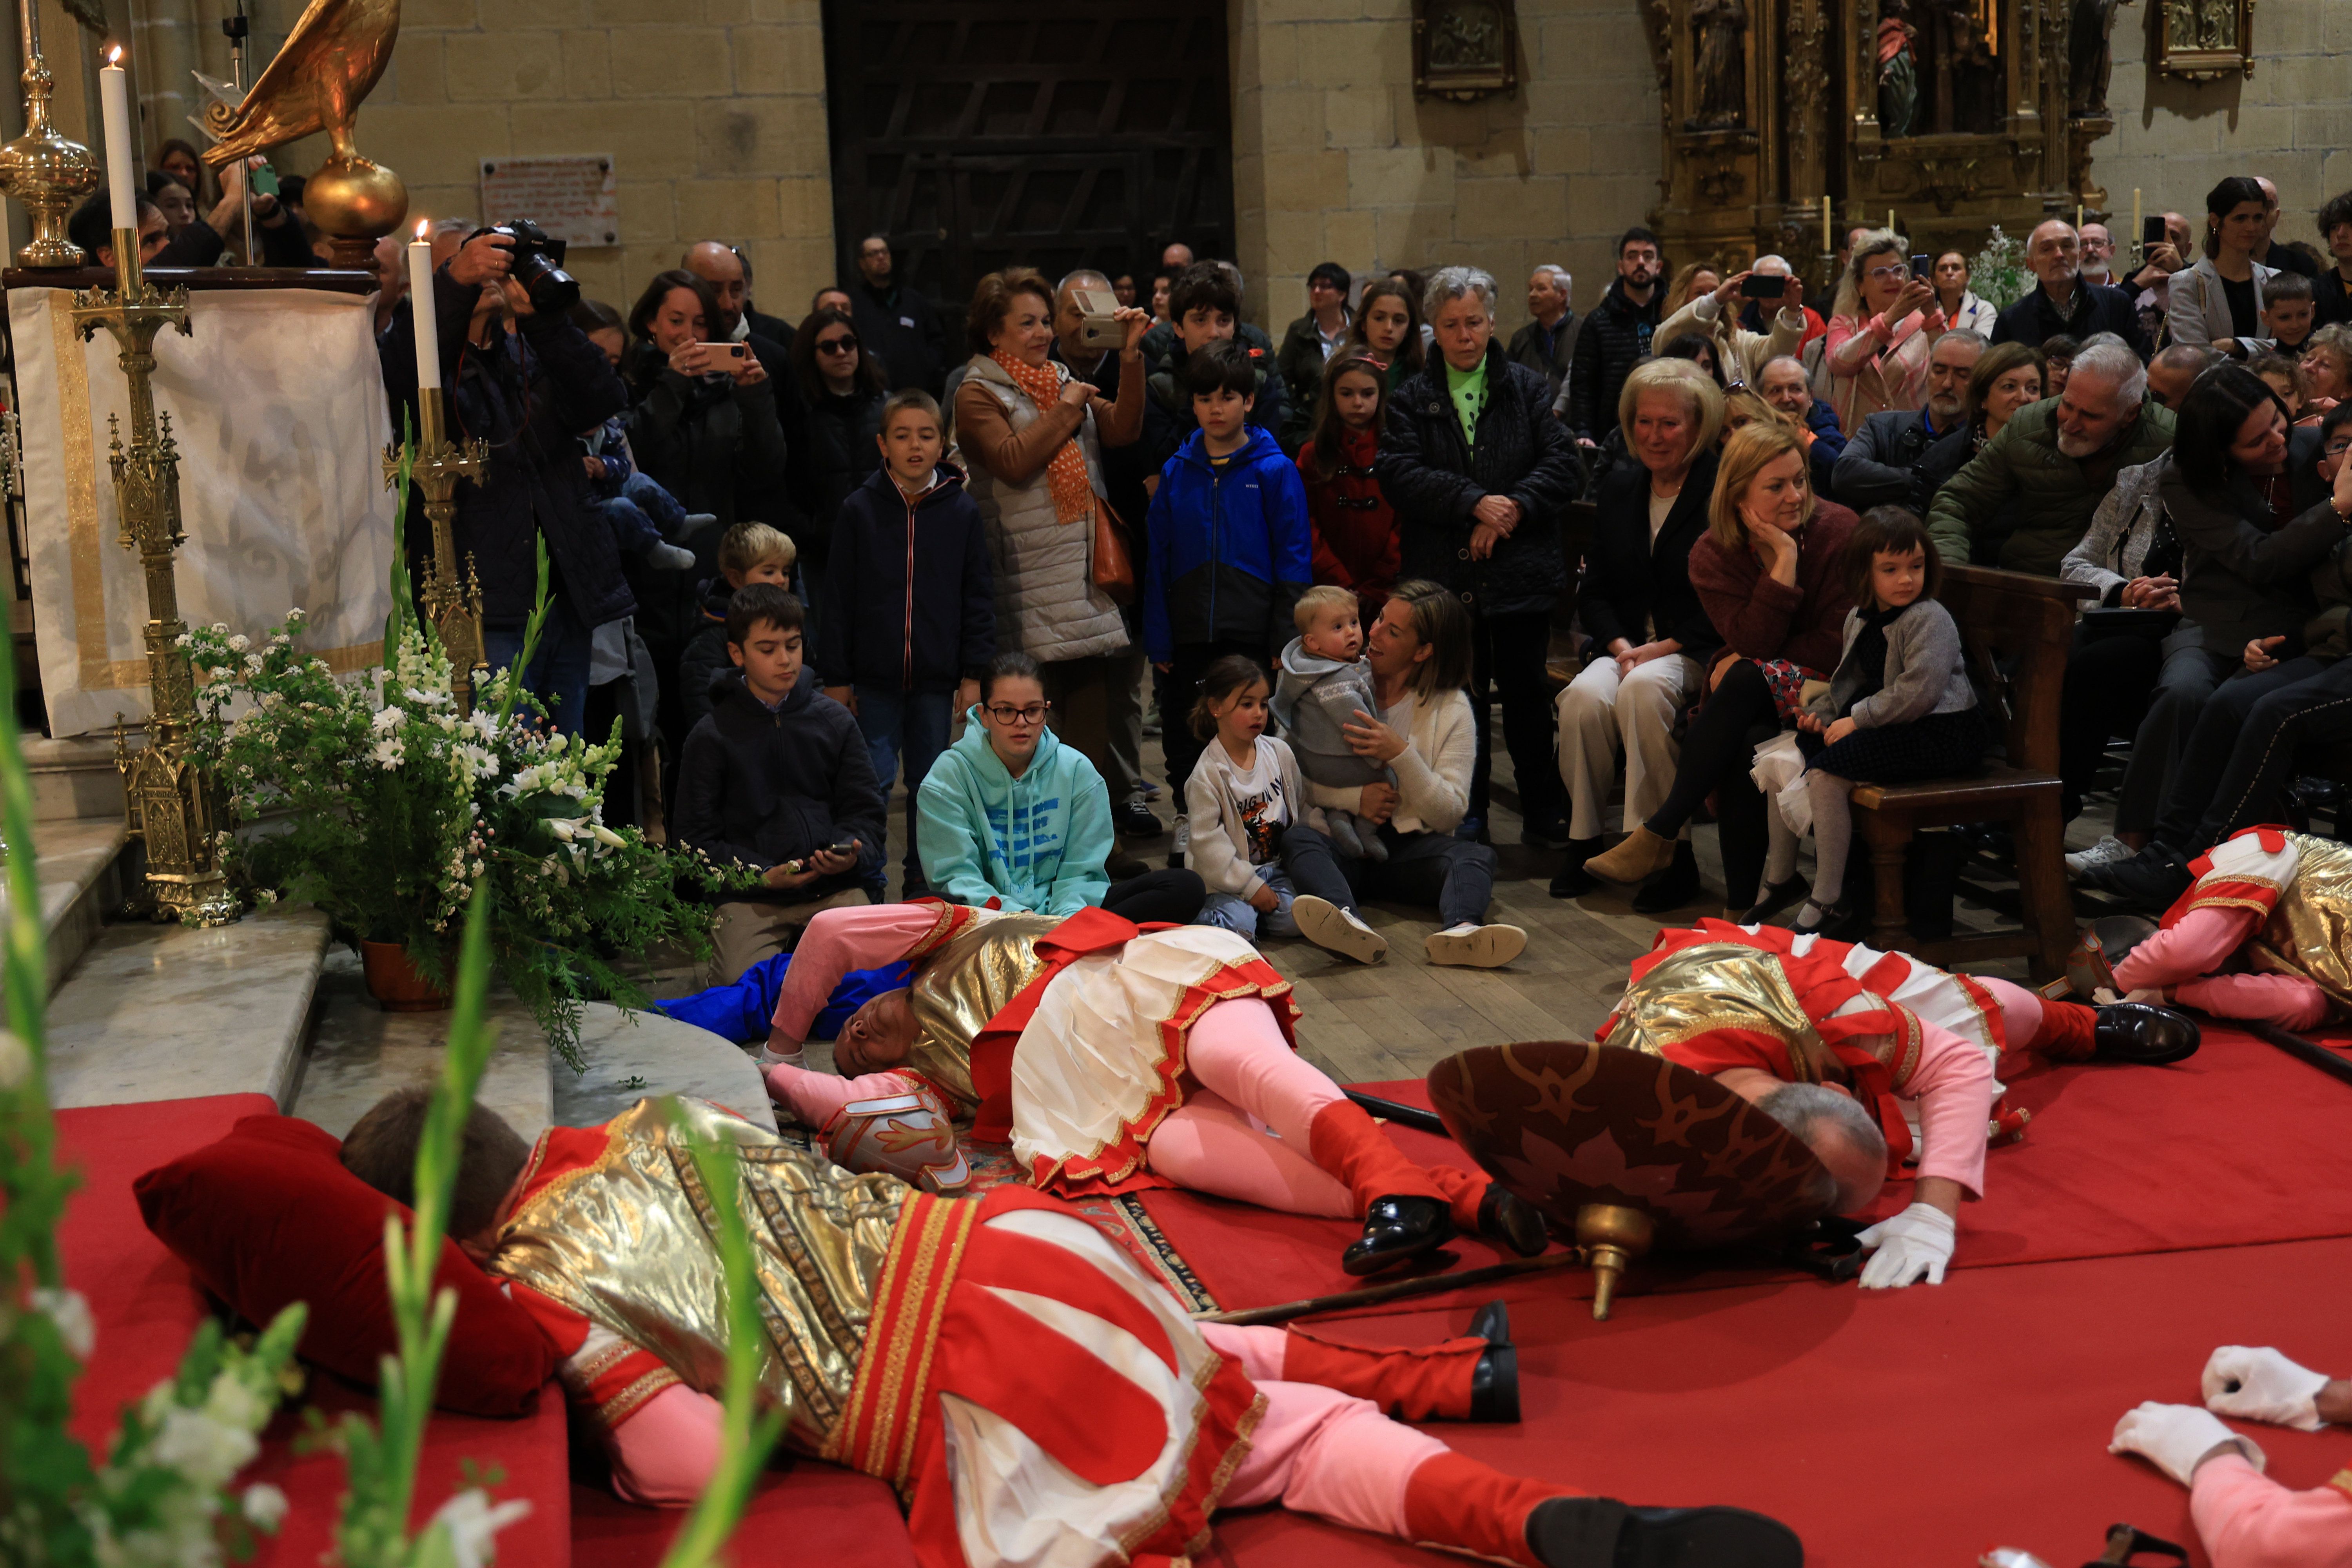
1882	329
1479	473
1010	818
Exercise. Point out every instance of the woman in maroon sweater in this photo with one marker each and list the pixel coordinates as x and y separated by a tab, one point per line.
1771	575
1356	542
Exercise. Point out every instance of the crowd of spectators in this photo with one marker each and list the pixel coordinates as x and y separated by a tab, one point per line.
838	529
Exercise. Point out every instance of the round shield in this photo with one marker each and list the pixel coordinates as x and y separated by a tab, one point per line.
2103	943
909	1136
1567	1125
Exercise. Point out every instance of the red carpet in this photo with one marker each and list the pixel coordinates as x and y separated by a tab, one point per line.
1913	1428
2117	1160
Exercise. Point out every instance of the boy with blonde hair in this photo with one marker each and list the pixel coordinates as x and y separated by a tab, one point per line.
748	553
1326	683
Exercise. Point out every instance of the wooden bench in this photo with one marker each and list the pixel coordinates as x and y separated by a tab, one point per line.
2025	625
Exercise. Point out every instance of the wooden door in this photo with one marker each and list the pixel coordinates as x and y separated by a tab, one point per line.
1056	136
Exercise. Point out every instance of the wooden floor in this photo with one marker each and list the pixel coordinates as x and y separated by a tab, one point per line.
1399	1018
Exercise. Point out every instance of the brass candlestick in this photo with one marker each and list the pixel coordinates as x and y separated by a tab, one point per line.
169	798
42	169
454	609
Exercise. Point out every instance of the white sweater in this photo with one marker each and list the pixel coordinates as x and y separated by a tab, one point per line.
1217	833
1433	771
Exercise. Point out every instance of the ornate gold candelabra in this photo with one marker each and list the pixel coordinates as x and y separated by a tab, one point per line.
169	798
41	169
454	607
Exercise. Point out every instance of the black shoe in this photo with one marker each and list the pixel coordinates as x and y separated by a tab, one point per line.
1552	835
1398	1230
1574	881
2149	880
1119	865
1775	898
1492	1322
1495	1381
2148	1037
1506	1218
1673	887
1135	821
1601	1532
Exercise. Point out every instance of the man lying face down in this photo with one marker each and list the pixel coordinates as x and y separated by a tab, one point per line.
600	1236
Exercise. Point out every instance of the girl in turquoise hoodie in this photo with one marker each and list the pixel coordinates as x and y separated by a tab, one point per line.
1013	819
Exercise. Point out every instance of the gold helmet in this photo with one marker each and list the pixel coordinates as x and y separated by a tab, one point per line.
910	1136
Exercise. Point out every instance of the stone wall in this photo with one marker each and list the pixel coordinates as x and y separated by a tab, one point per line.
1336	160
714	110
2291	120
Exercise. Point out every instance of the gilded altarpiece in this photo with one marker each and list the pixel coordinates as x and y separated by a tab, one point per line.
1953	114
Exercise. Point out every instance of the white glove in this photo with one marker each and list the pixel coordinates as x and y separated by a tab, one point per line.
2175	1436
1917	1242
2264	1385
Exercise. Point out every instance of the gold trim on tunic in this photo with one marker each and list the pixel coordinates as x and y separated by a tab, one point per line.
1709	986
963	984
2309	933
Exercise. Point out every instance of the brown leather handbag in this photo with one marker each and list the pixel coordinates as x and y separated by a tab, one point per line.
1113	568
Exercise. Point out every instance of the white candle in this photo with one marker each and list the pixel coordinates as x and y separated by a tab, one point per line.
121	188
420	304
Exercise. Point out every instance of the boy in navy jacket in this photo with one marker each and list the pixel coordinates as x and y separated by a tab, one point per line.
912	620
1229	547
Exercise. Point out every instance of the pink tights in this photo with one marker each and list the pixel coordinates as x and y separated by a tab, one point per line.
1322	1452
2020	1010
2183	959
1247	1070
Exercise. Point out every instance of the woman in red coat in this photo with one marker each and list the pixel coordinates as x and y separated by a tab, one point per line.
1770	575
1355	529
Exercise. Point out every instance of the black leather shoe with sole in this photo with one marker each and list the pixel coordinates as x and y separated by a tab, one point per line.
1504	1216
1398	1230
1601	1532
1495	1381
2148	1037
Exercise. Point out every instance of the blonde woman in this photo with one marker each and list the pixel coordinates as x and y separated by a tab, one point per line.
1695	281
1770	575
1882	329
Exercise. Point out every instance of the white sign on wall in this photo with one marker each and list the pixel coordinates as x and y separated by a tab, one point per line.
574	199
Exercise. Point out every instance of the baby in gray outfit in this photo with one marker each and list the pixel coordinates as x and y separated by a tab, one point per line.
1324	684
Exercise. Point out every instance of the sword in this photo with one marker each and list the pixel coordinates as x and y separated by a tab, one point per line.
1373	1295
1403	1115
2329	1062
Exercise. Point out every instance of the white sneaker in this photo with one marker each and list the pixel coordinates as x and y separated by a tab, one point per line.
2105	852
1476	946
1335	930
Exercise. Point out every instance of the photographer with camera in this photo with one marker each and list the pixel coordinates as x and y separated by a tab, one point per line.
524	378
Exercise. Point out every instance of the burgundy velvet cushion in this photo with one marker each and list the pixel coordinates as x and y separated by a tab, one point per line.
267	1216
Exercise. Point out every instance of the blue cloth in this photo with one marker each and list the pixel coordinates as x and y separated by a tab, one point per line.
740	1011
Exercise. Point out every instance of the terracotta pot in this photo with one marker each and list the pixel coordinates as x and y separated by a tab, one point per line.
397	985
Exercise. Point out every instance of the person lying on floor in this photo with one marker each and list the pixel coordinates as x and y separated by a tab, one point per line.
738	1012
2246	1518
1774	1015
1141	1060
938	1345
2266	900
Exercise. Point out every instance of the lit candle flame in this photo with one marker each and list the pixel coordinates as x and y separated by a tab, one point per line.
115	55
420	226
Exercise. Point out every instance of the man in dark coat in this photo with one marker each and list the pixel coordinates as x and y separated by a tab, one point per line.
1616	334
1479	473
2064	305
1876	468
1543	344
527	382
897	323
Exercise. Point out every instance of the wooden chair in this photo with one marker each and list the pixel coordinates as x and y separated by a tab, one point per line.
2025	625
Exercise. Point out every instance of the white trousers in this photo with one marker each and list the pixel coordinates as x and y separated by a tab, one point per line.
1602	716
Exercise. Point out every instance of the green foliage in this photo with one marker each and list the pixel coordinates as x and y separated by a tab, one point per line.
745	1435
162	1495
1997	274
388	811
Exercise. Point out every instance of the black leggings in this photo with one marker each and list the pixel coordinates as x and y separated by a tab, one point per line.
1507	653
1174	897
2241	764
1717	753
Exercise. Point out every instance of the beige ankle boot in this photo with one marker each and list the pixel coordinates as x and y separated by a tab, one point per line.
1641	855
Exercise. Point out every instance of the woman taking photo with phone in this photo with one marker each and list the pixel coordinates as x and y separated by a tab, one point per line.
1882	329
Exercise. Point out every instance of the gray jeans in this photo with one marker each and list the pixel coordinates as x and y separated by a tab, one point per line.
1455	874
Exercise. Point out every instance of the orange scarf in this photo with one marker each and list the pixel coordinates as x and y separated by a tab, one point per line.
1074	495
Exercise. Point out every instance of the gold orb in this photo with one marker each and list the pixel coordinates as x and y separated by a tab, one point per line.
355	203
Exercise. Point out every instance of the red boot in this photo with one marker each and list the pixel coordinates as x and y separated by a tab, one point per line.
1473	1378
1406	1211
1455	1502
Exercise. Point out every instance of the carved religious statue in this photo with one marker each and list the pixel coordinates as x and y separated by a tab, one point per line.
1719	27
2201	24
2090	58
1898	72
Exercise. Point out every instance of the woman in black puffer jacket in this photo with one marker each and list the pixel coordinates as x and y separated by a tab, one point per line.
840	388
1480	513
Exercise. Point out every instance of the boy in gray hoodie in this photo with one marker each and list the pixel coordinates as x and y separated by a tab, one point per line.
1325	683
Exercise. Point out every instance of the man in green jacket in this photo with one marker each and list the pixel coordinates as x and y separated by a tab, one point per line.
2056	460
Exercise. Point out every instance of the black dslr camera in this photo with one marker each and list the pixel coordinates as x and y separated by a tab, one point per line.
538	266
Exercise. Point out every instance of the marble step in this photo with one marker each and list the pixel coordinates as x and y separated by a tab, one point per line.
163	1012
80	862
76	776
360	1053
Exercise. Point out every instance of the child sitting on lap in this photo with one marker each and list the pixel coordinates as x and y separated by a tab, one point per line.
1326	683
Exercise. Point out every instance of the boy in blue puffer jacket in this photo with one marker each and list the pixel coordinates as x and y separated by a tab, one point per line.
1230	549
